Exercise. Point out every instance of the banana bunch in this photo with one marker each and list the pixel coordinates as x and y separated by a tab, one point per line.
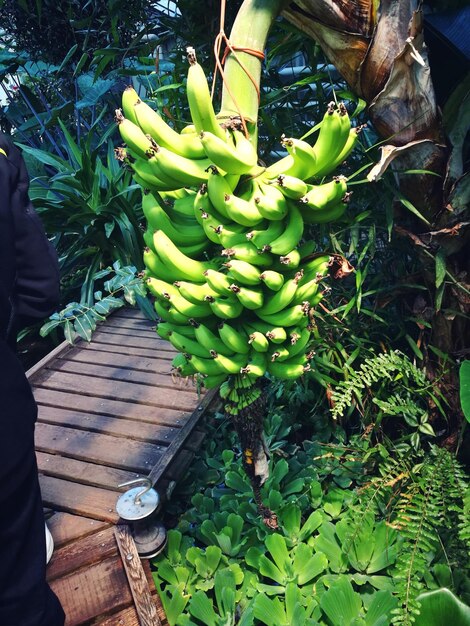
233	278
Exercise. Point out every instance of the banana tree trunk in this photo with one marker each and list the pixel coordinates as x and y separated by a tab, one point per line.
378	47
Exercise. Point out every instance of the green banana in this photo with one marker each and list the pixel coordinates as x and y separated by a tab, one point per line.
243	272
178	263
351	141
188	171
156	266
199	98
328	215
207	366
273	280
224	155
210	340
231	234
149	177
250	298
331	139
184	206
230	364
258	341
194	293
160	288
281	299
234	339
133	136
242	211
315	267
159	220
287	317
154	125
195	249
164	329
256	365
218	282
169	314
322	197
289	261
299	340
226	307
188	345
248	252
292	234
278	353
129	99
211	382
263	237
153	166
270	201
277	334
190	309
303	155
218	187
306	292
290	186
285	370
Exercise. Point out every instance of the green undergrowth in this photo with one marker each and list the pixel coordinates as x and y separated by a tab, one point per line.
364	530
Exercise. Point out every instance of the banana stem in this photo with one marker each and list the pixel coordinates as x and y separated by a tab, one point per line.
250	30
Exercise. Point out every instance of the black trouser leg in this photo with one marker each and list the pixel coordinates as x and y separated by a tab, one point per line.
25	597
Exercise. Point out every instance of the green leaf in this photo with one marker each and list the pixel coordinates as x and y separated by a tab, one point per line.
341	603
440	260
441	607
49	326
277	547
379	611
269	612
464	376
83	327
201	607
68	332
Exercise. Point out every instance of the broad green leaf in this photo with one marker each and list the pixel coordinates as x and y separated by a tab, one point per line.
269	612
464	376
201	607
308	566
277	547
378	613
442	607
341	603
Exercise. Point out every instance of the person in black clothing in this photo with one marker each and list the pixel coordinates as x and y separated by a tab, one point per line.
29	291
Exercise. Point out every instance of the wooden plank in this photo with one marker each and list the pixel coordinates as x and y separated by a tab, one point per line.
82	553
181	437
114	372
112	408
95	475
129	322
136	456
63	495
133	331
65	527
50	356
106	424
135	342
143	602
162	353
182	398
142	364
99	589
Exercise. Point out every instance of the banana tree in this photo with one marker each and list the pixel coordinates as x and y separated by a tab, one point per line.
228	261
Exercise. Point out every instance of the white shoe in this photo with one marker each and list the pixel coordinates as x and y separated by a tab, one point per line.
49	544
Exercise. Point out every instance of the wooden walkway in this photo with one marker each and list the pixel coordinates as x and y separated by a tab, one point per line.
109	411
